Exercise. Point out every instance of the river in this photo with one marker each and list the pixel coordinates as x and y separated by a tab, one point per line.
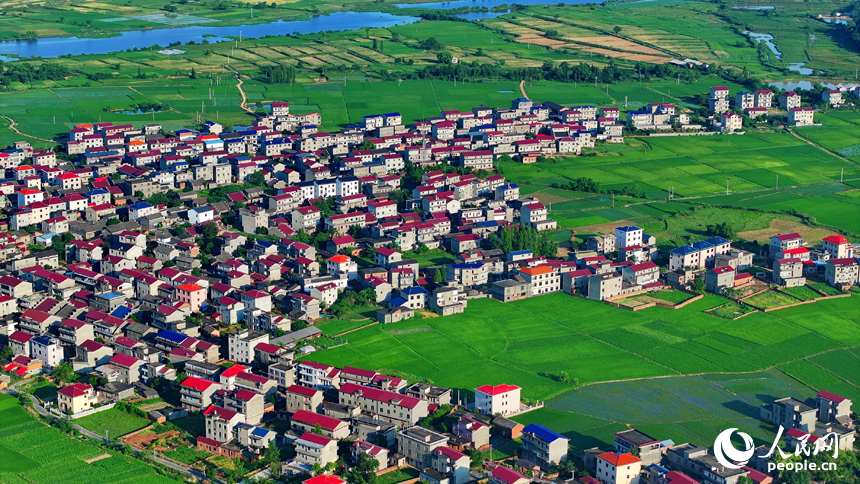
57	46
488	3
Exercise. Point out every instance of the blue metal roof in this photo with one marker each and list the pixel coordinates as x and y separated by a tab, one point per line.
488	223
414	290
472	265
543	433
172	336
97	191
628	228
111	295
392	114
398	301
638	112
264	243
520	252
699	246
121	312
261	432
42	340
139	205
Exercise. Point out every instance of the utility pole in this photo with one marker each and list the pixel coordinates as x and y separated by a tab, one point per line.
841	175
727	186
613	201
777	182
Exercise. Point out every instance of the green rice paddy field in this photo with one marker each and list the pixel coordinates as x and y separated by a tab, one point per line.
32	452
685	365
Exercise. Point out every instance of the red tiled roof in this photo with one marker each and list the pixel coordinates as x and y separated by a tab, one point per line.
316	439
830	396
308	392
324	479
75	390
507	475
198	384
619	459
380	395
836	239
222	413
310	418
124	360
233	371
496	390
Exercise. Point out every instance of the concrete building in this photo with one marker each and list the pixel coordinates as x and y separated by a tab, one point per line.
417	445
615	468
500	399
543	446
647	447
790	413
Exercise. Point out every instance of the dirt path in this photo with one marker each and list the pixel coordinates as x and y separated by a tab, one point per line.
523	89
15	130
244	104
356	329
811	143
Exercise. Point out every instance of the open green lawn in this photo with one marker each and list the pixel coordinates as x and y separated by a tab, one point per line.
399	475
114	421
32	452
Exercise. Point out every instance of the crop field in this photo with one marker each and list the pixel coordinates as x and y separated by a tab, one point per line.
333	327
592	342
42	455
731	310
695	166
698	407
114	421
804	293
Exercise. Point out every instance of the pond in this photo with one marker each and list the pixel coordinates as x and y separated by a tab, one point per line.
798	67
792	85
767	39
57	46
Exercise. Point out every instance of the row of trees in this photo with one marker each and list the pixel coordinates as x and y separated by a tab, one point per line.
279	74
521	237
26	73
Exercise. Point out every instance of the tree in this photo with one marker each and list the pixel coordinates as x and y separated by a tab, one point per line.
617	29
317	429
699	284
364	471
477	458
438	276
193	73
271	454
367	145
64	373
258	179
6	353
444	57
798	477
